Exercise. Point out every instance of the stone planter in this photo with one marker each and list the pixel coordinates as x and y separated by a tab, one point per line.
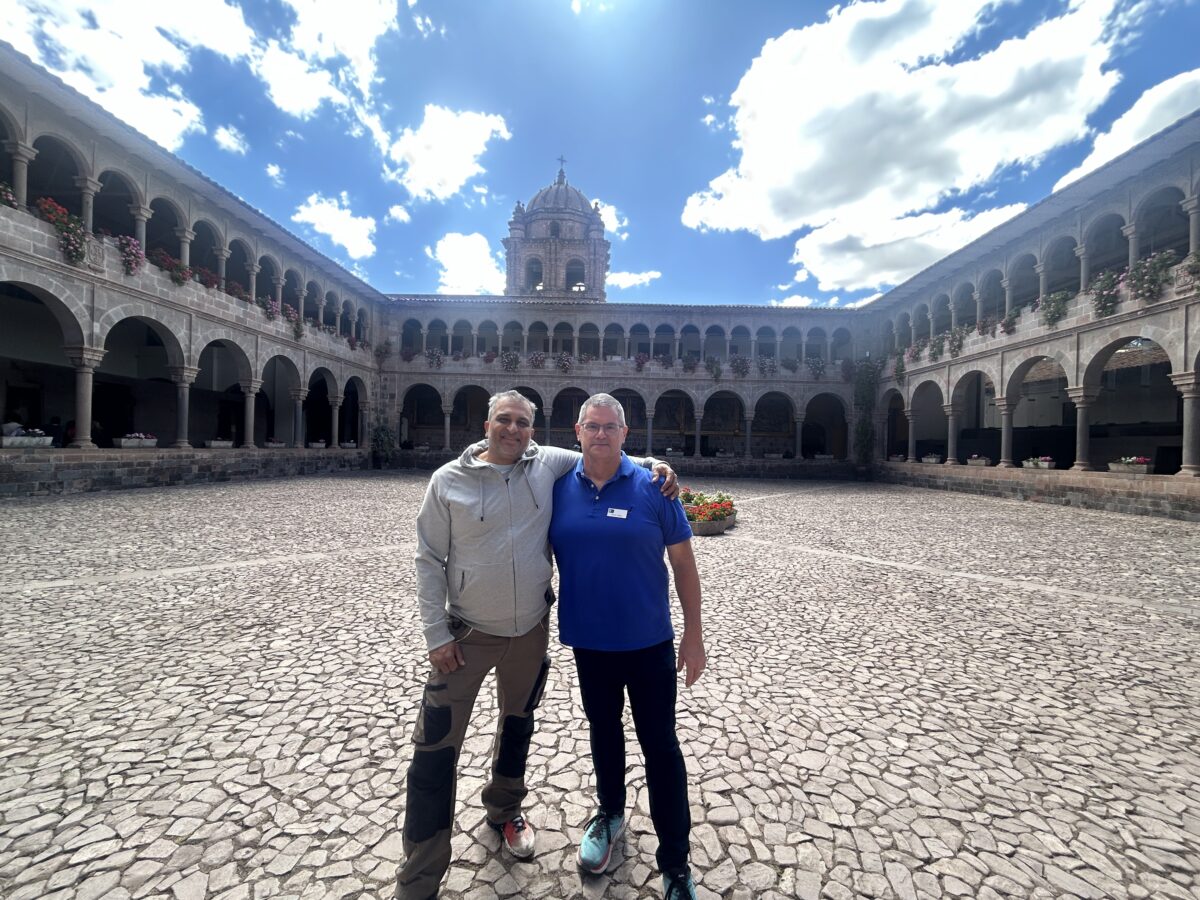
981	461
134	443
316	445
348	445
932	459
26	441
772	456
218	445
822	456
1129	468
1038	464
707	529
275	445
897	457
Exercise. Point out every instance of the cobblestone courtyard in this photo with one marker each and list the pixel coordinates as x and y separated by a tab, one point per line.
208	692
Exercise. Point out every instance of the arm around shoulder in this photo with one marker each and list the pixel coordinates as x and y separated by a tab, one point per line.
433	548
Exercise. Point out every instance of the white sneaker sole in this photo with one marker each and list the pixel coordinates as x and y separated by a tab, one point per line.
599	870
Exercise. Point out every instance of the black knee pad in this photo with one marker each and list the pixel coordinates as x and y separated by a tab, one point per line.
514	746
539	686
430	794
434	723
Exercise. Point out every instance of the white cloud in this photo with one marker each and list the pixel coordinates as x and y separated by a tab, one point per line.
425	26
614	222
275	174
1157	108
468	265
331	216
797	300
293	85
230	139
397	213
907	122
443	154
623	280
858	304
326	32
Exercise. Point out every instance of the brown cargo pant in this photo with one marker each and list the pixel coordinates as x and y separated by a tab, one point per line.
521	666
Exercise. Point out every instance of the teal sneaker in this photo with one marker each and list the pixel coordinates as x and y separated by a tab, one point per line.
599	835
678	886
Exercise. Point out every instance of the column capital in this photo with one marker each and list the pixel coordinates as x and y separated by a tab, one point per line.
1039	268
649	413
277	281
951	409
1081	251
910	414
334	403
21	151
299	394
1083	396
183	374
1185	382
185	235
139	212
1129	230
221	252
253	268
1190	205
1005	406
87	185
251	386
749	417
84	357
447	410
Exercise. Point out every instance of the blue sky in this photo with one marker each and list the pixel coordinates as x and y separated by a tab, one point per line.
757	152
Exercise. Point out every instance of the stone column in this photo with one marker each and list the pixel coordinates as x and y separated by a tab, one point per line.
222	255
829	345
424	338
184	377
249	388
298	417
804	346
252	270
88	188
1188	384
363	436
186	236
277	296
474	343
649	432
978	297
912	436
1040	268
628	345
1006	433
547	417
753	348
953	315
799	435
726	348
446	433
337	324
1191	206
1008	291
749	435
85	360
335	407
22	156
897	341
524	342
675	345
881	448
952	413
1085	271
1130	232
141	215
1083	398
696	448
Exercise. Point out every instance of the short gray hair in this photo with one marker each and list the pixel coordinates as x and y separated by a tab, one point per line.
494	401
608	401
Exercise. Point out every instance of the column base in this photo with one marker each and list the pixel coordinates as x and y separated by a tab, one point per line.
911	459
1188	472
1083	467
82	445
182	445
952	462
249	447
1006	464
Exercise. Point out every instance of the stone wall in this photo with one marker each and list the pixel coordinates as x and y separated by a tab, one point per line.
1142	495
36	472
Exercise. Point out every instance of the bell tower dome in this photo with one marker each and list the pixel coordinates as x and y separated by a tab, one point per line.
556	249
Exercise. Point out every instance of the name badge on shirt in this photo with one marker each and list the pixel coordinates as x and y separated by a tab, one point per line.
617	513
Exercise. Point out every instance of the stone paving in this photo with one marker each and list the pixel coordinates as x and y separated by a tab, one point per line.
208	692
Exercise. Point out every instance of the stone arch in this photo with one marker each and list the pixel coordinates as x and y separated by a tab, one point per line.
538	337
237	267
767	341
68	309
468	413
825	431
1023	284
1161	224
895	433
928	419
713	342
565	411
724	416
588	340
203	253
1097	347
274	409
691	342
110	206
1019	366
293	289
1061	266
53	171
960	379
236	339
1107	247
941	313
166	216
962	300
613	341
904	329
269	349
166	323
633	403
421	418
922	324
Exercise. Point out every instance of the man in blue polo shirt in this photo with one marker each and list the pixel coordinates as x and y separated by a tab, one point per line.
609	529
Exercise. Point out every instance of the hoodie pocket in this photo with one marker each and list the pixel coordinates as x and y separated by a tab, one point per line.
479	589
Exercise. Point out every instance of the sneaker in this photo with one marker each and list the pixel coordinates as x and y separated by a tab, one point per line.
517	836
599	835
678	886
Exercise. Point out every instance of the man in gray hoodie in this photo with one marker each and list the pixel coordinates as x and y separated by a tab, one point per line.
483	585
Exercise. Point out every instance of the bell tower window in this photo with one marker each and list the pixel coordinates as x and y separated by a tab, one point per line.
575	276
555	230
533	275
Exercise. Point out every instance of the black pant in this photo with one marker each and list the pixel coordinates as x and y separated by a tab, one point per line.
649	677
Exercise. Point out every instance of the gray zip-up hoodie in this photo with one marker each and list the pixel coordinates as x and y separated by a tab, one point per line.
482	550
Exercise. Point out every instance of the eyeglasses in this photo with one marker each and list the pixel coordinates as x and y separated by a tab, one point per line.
594	428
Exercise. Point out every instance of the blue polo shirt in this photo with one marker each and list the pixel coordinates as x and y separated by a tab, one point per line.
609	545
